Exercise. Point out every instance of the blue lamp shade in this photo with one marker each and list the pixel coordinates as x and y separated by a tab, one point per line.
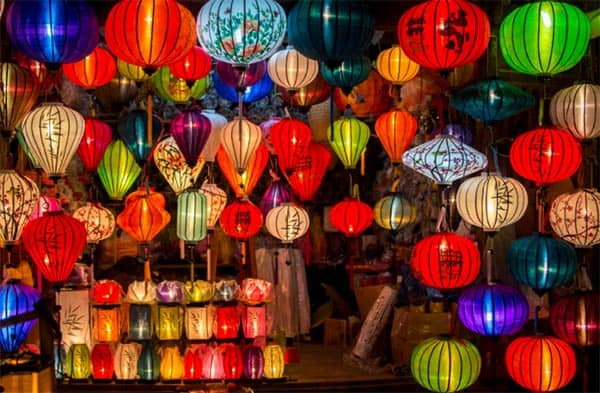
460	132
16	299
250	94
492	100
493	309
541	262
133	129
53	31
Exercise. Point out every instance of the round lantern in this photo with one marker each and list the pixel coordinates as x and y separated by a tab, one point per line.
194	65
444	159
540	363
493	309
445	364
19	90
53	133
287	222
213	142
575	217
460	132
97	135
132	71
241	32
118	92
118	170
576	319
54	241
53	31
330	31
191	130
102	362
96	69
445	261
349	138
393	212
292	70
351	216
396	130
577	110
243	184
99	222
216	199
144	215
240	77
289	137
171	363
491	201
133	128
45	204
348	73
149	33
106	292
276	194
77	364
173	167
545	155
369	98
241	219
171	88
240	139
148	365
395	67
310	170
233	362
274	361
444	35
250	93
19	196
315	92
191	216
254	362
16	299
541	262
544	38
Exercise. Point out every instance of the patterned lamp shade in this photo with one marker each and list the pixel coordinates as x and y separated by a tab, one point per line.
289	137
396	130
96	69
99	222
126	361
577	109
287	222
144	215
575	217
240	138
133	128
172	165
194	65
395	66
118	170
97	135
19	89
199	322
190	129
241	219
19	197
349	139
213	143
216	199
393	212
169	323
16	299
292	70
347	74
78	362
351	216
576	319
309	173
177	90
191	216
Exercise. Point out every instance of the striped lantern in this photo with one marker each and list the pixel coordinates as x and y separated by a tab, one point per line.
292	70
289	137
254	362
19	90
213	143
171	363
348	138
240	138
19	196
144	215
577	110
96	69
351	216
194	65
309	173
216	199
575	217
133	128
118	170
396	130
243	183
274	361
287	222
16	299
576	319
191	216
99	222
97	135
131	71
394	66
190	129
393	212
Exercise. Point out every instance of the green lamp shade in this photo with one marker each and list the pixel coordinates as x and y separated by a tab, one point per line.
78	362
118	170
544	38
348	73
349	139
177	90
191	216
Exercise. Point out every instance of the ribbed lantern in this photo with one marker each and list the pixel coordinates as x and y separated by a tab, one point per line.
118	170
541	262
577	110
240	139
148	365
171	363
177	90
191	216
192	363
23	145
274	361
396	130
393	212
77	364
276	194
351	216
216	199
173	167
241	31
194	65
44	205
287	222
369	98
395	67
310	170
53	133
103	364
96	69
54	242
545	155
254	362
149	33
213	143
97	135
349	138
348	73
576	319
445	364
144	215
16	299
243	184
289	137
19	90
575	217
544	38
444	35
491	201
444	159
241	219
540	363
315	92
99	222
292	70
251	93
233	361
131	71
19	196
133	128
191	130
445	261
493	309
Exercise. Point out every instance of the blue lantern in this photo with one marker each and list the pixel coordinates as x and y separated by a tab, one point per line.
460	132
250	94
53	31
133	129
348	73
541	262
16	299
148	362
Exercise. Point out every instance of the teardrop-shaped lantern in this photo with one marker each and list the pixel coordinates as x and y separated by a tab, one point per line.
133	128
16	299
347	74
216	199
291	70
99	222
393	212
213	142
177	90
369	98
191	130
351	216
310	170
96	69
577	110
19	89
241	219
194	65
191	216
19	196
118	170
276	194
396	130
289	137
576	318
287	222
349	139
243	184
144	215
575	217
240	139
97	135
173	167
395	67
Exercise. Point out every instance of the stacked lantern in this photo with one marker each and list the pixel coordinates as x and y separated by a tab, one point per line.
141	296
106	311
169	324
254	293
102	362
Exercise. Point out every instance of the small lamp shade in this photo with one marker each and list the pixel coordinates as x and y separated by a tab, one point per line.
291	70
78	362
96	69
213	143
254	362
289	137
348	73
126	361
577	110
99	222
141	323
194	65
576	319
19	89
575	217
171	363
16	299
97	135
393	212
287	222
199	322
349	138
216	199
177	90
233	362
106	292
395	66
276	194
244	183
118	170
274	361
106	323
20	198
310	170
240	138
191	130
315	92
396	130
133	128
103	365
240	77
351	216
148	365
227	322
169	324
251	93
192	364
144	215
173	166
191	216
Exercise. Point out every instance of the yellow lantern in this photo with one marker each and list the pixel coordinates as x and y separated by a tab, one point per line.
170	322
106	323
393	212
131	71
19	90
171	363
274	361
394	66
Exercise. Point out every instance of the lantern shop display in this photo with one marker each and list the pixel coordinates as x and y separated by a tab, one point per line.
351	216
16	299
287	222
171	363
169	322
274	365
199	321
97	135
77	364
96	69
575	217
254	362
348	138
19	89
192	363
576	319
141	322
212	361
232	360
577	110
118	170
102	362
395	66
369	98
106	323
148	365
126	360
19	196
396	130
226	322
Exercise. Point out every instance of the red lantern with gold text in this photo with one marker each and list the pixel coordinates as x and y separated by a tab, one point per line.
102	362
96	138
289	138
315	92
96	69
196	64
576	319
369	98
351	216
310	170
144	215
243	184
233	361
396	130
241	220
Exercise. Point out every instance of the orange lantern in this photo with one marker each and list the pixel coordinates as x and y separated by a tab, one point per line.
315	92
310	170
194	65
395	67
396	130
106	323
289	138
96	69
144	215
368	98
243	184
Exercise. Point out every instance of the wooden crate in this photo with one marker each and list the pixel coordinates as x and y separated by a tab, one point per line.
30	381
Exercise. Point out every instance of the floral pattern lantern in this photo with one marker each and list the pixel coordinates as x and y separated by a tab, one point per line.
349	138
292	70
310	170
177	90
576	319
97	135
243	184
577	110
216	199
173	167
118	170
144	215
191	130
351	216
16	299
19	196
287	222
393	212
289	137
99	222
194	65
19	89
369	98
199	322
96	69
396	130
133	128
240	139
395	66
575	217
102	362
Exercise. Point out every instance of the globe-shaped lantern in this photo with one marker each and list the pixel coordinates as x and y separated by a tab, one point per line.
444	159
460	132
191	130
292	70
445	364
133	128
393	212
396	130
289	137
308	175
19	90
395	66
118	170
351	216
444	35
241	219
577	110
194	65
276	194
541	262
575	217
97	135
540	363
53	31
445	261
287	222
149	33
144	215
491	201
240	139
191	216
250	93
349	138
544	38
240	77
19	196
243	184
576	319
545	155
369	98
16	299
99	222
329	30
96	69
348	73
132	72
213	142
493	309
54	242
241	32
53	133
216	199
315	92
171	88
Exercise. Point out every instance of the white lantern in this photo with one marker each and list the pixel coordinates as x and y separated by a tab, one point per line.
577	109
199	322
393	212
191	216
575	217
491	201
172	165
53	132
211	147
287	222
99	222
240	139
126	360
216	199
292	70
19	197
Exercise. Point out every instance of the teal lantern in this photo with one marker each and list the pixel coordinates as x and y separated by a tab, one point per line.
544	38
148	363
191	216
349	138
118	170
133	128
348	73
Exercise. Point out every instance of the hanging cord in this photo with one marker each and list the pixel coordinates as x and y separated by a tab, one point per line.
442	220
490	260
542	105
331	111
540	203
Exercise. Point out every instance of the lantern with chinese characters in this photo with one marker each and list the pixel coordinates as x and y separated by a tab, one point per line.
16	299
191	130
213	142
347	74
144	215
445	364
19	89
292	70
172	165
102	362
171	88
97	135
78	362
148	365
241	219
576	319
118	170
199	322
141	322
274	361
133	128
194	65
96	69
460	132
126	361
240	77
445	261
394	212
243	183
171	363
192	363
577	110
289	137
216	199
227	322
575	217
254	362
19	196
233	364
248	94
349	138
169	324
191	216
287	222
106	323
99	222
395	67
396	130
310	170
106	292
369	98
351	216
53	133
240	139
276	194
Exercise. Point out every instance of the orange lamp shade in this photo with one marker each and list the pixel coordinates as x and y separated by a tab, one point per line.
196	64
96	69
102	362
106	323
241	219
289	138
395	67
396	130
97	135
144	215
172	366
227	322
233	361
243	184
369	98
106	292
310	170
351	216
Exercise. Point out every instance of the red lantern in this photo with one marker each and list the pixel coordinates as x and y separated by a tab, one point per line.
289	138
369	98
54	241
254	321
576	319
241	219
144	215
227	322
196	64
396	130
102	362
445	261
540	363
243	184
96	69
192	363
545	155
96	138
106	292
310	170
351	216
233	361
315	92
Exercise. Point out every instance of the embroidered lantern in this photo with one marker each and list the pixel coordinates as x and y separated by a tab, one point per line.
249	94
348	138
276	194
348	73
315	92
99	222
351	216
126	361
213	142
141	322
216	199
240	77
16	299
191	130
369	98
19	89
192	363
171	363
227	322
287	222
291	70
243	184
274	361
396	130
133	128
102	362
576	319
144	215
395	66
575	217
106	323
199	322
118	170
97	135
148	366
240	139
172	165
233	362
289	137
393	212
96	69
77	364
212	362
191	216
310	170
171	88
577	110
254	362
460	132
19	196
194	65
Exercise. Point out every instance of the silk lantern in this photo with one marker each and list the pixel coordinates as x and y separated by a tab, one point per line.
141	322
227	322
133	128
216	199
213	142
577	110
255	291
544	38
53	133
276	194
241	220
102	362
173	167
199	322
348	138
169	323
289	137
393	212
254	321
198	291
315	92
144	292
233	362
274	361
99	222
291	70
575	217
212	362
118	170
351	216
369	98
132	72
239	77
54	242
96	69
177	90
395	66
45	204
144	215
170	291
148	365
171	363
444	159
106	292
116	93
310	170
19	90
192	364
191	130
396	130
240	138
444	35
460	132
243	184
77	365
106	323
445	261
16	299
249	94
254	362
194	65
576	319
19	197
540	363
126	361
287	222
348	73
445	364
97	135
191	216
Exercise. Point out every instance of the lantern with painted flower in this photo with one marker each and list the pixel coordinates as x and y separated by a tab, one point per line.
172	165
118	170
19	197
97	135
216	199
99	222
19	89
199	321
102	362
575	217
16	299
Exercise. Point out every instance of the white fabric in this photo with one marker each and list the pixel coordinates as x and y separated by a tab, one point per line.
74	317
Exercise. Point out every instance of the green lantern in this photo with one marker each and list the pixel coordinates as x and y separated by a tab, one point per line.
349	139
118	170
191	216
78	362
544	38
171	88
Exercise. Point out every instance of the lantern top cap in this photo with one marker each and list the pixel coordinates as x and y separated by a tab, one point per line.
4	170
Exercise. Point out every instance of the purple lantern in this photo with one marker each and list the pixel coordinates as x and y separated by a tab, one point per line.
170	291
460	132
16	299
240	78
191	130
493	309
276	194
254	362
